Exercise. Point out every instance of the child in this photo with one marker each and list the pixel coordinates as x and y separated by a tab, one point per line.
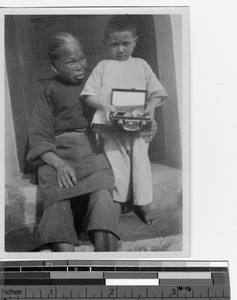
121	70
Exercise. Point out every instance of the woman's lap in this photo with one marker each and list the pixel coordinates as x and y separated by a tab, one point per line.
92	169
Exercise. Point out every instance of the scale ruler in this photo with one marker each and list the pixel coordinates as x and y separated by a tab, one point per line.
118	280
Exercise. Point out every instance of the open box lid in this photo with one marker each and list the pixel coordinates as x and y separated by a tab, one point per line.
128	99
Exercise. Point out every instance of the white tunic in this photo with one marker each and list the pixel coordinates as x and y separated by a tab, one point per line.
133	73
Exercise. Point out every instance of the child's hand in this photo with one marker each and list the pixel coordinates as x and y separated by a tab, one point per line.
152	104
108	109
150	110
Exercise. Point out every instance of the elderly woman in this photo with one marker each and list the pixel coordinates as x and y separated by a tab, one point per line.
69	163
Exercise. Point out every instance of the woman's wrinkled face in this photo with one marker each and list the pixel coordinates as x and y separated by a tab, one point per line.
71	64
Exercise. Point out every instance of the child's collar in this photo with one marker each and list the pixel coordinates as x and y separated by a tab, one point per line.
130	57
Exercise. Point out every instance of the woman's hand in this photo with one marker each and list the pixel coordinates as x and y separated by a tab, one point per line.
65	173
66	176
148	135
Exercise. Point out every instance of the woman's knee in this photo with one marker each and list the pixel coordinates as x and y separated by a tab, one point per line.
101	195
102	205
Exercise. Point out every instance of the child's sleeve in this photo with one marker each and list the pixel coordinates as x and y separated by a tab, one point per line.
93	83
153	85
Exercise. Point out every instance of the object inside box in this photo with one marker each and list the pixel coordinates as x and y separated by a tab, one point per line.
134	113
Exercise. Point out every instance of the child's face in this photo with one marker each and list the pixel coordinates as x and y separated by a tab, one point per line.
71	64
120	45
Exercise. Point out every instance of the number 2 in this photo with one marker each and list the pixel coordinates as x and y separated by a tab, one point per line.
111	292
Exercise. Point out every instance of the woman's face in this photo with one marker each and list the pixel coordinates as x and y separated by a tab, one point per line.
71	64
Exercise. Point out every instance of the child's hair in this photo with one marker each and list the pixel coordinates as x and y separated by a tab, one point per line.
118	24
58	42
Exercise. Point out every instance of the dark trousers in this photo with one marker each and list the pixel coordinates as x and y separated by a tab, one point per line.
57	223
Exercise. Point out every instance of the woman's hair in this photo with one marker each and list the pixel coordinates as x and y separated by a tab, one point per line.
58	42
120	23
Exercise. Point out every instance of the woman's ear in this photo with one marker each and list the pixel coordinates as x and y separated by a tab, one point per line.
53	67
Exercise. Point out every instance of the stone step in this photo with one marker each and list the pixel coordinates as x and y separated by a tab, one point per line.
167	186
24	205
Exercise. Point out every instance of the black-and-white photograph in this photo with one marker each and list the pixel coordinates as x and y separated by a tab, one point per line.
97	131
